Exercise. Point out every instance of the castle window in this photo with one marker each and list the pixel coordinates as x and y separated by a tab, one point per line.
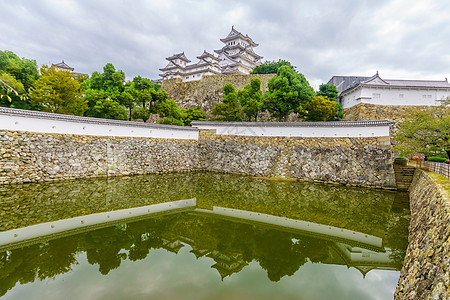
400	95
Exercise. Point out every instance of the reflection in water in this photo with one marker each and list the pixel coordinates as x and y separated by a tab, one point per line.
236	220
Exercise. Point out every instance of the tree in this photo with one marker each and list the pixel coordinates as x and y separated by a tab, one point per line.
170	112
16	77
229	109
329	91
126	99
287	91
108	109
10	88
250	99
192	114
319	109
108	85
58	92
425	131
271	67
23	70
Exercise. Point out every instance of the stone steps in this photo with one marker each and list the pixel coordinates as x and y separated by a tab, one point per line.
403	176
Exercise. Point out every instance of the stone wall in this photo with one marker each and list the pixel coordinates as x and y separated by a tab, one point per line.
426	269
395	113
32	157
207	91
352	161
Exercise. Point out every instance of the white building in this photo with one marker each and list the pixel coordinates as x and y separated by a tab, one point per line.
375	90
235	57
62	66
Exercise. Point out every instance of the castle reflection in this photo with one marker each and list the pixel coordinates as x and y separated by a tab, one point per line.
233	220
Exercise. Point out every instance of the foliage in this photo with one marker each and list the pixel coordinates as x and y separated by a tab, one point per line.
140	113
10	88
229	109
111	85
401	158
437	159
250	99
108	109
126	99
329	91
23	70
171	121
192	114
287	91
170	112
16	77
427	132
271	67
58	92
111	82
319	109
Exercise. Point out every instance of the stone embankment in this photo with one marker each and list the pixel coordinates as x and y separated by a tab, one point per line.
425	273
394	113
33	157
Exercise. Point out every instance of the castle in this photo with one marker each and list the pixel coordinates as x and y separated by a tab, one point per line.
235	57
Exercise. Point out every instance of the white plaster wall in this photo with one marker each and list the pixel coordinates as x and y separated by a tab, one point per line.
34	124
298	131
391	96
351	99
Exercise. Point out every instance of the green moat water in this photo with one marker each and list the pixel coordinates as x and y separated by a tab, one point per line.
244	238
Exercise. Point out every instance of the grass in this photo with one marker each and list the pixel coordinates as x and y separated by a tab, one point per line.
442	181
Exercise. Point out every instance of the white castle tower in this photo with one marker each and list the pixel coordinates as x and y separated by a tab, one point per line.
236	57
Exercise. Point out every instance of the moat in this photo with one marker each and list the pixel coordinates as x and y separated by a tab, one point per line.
233	237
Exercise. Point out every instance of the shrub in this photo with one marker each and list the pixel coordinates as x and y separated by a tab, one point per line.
400	161
437	159
401	158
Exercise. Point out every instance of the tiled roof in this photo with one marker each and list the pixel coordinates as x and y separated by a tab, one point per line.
178	56
418	83
298	124
63	65
347	83
70	118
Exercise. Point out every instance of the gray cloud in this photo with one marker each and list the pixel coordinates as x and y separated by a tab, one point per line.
322	38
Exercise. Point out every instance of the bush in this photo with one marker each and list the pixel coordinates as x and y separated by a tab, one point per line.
437	159
400	161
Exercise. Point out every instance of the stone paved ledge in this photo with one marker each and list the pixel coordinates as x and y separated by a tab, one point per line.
426	268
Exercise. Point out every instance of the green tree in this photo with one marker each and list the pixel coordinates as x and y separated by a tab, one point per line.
427	132
126	99
140	113
23	70
229	109
16	77
143	86
108	85
10	88
170	113
58	92
192	114
287	92
251	99
329	91
319	109
108	109
271	67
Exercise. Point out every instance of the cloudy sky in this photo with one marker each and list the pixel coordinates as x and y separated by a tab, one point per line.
402	39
